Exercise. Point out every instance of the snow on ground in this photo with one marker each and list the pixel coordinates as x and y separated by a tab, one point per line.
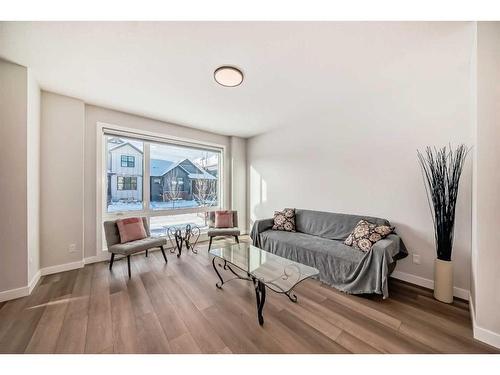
174	204
124	206
159	224
137	206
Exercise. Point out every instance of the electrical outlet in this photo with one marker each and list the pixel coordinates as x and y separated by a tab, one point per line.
416	258
72	248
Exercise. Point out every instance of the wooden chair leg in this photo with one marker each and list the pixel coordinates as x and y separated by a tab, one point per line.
210	243
111	261
128	264
163	252
146	253
237	239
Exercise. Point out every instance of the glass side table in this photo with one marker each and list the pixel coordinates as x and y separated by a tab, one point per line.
179	236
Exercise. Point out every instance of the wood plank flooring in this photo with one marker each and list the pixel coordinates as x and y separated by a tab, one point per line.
176	308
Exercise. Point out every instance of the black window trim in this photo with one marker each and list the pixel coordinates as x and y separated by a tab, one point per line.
126	183
127	161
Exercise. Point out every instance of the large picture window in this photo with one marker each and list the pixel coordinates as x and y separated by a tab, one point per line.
170	183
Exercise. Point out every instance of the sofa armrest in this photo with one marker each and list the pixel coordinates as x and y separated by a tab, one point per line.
392	246
260	226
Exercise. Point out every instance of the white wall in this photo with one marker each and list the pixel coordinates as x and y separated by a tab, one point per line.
360	156
62	194
486	213
239	180
33	176
13	175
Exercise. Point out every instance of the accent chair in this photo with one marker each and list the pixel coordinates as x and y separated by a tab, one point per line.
128	248
222	232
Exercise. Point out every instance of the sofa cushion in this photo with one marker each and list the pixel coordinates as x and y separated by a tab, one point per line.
137	246
330	225
311	250
284	220
366	234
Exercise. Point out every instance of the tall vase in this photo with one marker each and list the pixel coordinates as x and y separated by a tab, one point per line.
443	280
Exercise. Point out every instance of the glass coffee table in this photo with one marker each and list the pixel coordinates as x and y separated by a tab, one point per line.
266	270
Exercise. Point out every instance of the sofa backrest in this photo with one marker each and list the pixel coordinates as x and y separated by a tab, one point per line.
113	235
330	225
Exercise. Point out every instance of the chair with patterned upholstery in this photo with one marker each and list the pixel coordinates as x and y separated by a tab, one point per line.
222	232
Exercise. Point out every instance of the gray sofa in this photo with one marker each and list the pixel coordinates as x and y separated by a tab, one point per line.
318	242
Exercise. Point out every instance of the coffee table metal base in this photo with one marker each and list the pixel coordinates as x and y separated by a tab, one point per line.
260	287
189	238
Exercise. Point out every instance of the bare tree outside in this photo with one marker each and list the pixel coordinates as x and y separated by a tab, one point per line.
173	188
205	192
205	189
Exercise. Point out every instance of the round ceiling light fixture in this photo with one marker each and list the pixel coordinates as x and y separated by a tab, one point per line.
228	76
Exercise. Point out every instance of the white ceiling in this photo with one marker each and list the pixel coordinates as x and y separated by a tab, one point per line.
294	71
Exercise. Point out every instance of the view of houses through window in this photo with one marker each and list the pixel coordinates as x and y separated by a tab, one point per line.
180	178
124	174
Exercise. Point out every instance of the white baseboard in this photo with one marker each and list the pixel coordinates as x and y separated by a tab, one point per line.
14	293
480	333
34	281
104	256
62	268
427	283
23	291
26	290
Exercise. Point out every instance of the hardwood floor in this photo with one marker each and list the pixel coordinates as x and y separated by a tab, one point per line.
176	308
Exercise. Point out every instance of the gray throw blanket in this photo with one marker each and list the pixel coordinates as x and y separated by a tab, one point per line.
343	267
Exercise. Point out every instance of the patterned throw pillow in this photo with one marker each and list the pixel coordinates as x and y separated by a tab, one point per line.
365	234
285	220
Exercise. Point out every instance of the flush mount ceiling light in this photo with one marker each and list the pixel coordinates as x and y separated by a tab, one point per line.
228	76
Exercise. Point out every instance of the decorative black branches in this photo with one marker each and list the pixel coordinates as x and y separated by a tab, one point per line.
441	169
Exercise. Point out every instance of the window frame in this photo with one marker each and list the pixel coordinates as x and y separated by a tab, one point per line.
148	137
128	160
132	182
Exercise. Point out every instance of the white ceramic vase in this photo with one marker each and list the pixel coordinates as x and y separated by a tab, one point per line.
443	280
